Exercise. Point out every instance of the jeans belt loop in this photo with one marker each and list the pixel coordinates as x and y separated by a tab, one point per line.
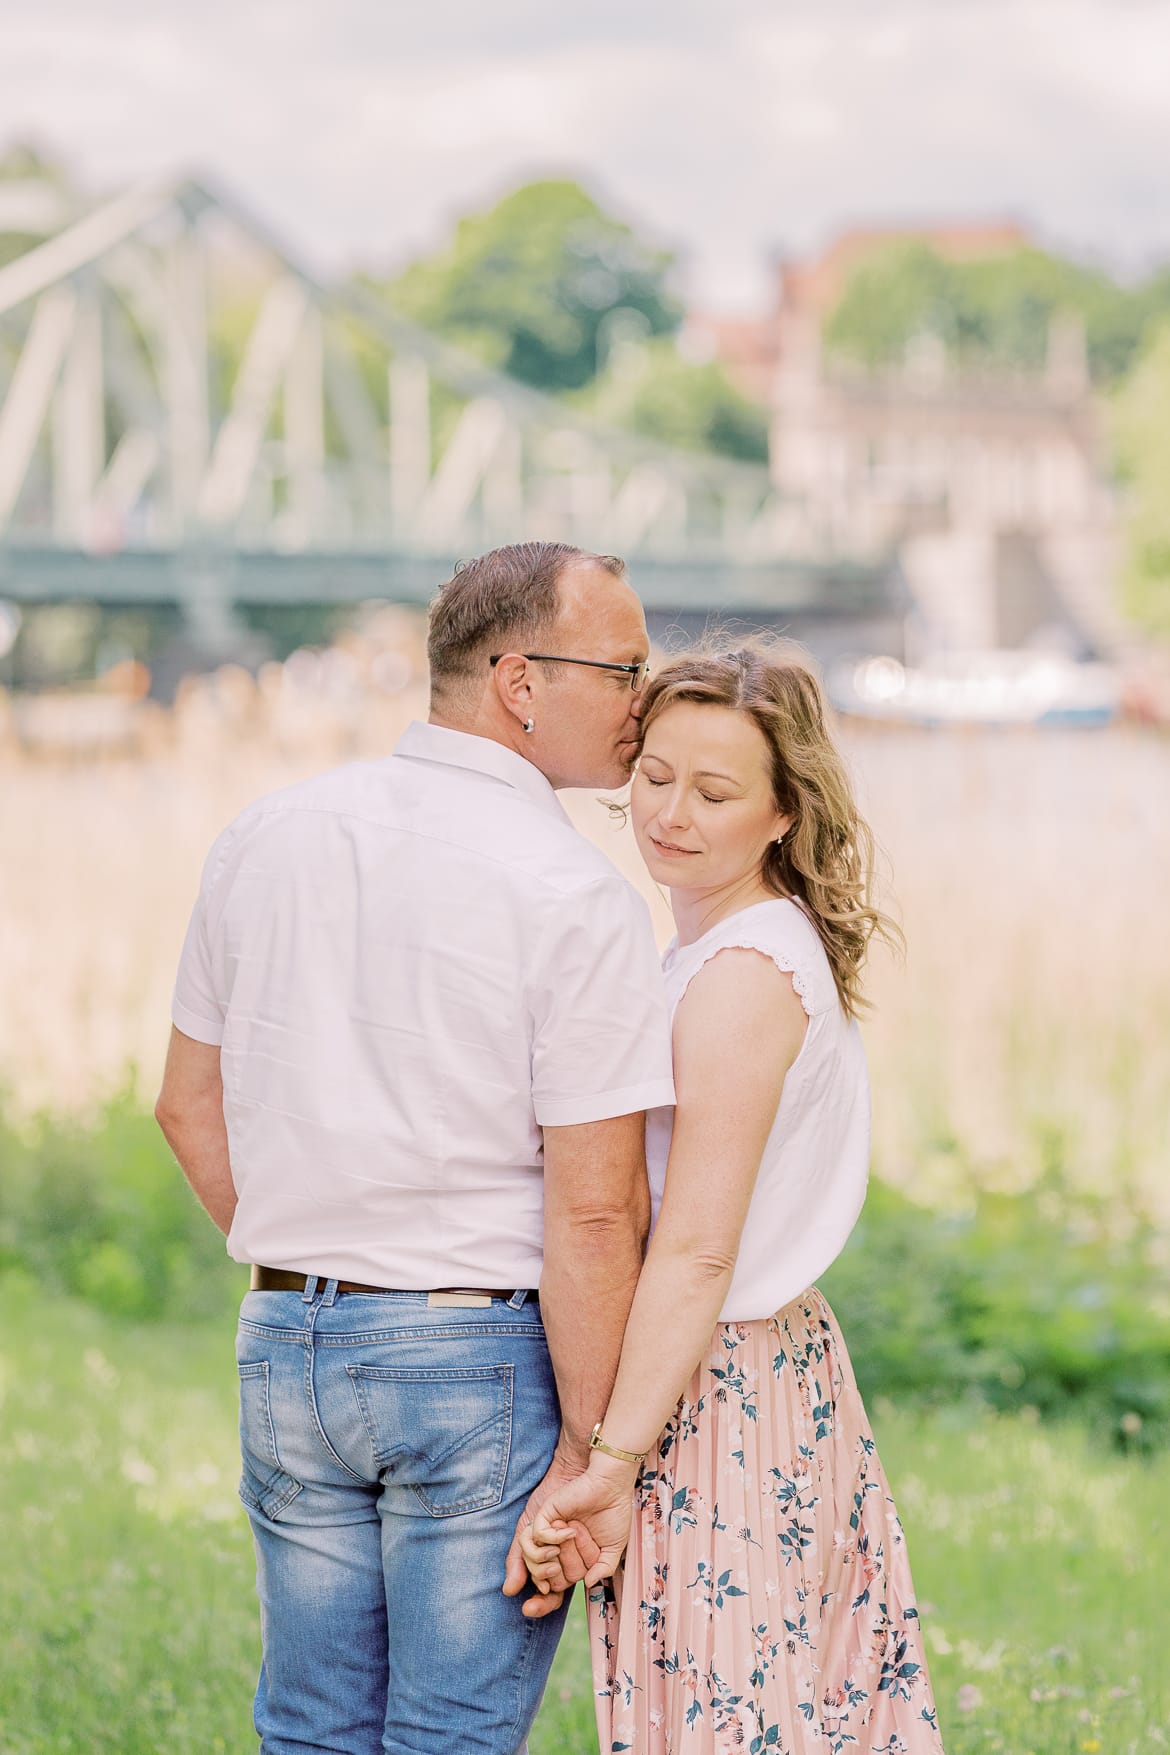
310	1291
516	1301
330	1295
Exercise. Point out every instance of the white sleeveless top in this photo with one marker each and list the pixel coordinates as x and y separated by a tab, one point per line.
811	1183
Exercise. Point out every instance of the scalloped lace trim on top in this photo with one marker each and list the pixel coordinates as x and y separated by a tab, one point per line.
801	979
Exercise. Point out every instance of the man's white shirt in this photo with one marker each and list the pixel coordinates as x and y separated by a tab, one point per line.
411	966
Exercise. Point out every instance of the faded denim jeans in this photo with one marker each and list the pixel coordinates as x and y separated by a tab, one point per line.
388	1450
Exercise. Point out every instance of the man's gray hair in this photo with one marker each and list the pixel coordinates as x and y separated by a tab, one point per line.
504	601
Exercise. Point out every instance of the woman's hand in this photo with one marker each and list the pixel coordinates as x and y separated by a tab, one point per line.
578	1556
602	1501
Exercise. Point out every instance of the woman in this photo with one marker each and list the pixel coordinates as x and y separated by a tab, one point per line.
765	1603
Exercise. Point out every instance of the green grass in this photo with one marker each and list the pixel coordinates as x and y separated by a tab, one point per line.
127	1623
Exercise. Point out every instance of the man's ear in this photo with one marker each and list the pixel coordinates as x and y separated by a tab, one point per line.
512	675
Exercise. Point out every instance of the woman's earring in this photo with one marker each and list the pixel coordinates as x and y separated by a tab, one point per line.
779	840
530	725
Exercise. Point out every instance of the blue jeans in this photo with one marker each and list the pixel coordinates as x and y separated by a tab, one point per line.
388	1450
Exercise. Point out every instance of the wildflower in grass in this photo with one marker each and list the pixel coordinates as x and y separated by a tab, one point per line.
99	1369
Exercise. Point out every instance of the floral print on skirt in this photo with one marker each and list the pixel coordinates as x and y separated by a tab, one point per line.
765	1602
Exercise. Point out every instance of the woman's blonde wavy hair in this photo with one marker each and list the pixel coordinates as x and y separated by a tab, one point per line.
826	859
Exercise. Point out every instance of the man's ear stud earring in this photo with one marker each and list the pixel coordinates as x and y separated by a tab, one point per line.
530	725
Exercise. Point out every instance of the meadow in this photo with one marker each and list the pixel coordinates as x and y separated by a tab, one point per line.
130	1626
1005	1297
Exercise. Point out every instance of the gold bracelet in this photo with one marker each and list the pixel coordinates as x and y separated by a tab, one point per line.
597	1442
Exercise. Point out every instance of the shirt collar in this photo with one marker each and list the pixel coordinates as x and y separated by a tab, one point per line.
463	749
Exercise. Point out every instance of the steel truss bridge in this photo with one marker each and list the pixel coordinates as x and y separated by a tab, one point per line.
343	454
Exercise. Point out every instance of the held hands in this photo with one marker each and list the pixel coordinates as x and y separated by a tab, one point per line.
578	1554
597	1505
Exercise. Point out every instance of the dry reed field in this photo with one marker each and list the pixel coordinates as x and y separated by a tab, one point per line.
1024	1040
1027	1030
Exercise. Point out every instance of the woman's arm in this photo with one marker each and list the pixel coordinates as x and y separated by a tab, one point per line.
737	1032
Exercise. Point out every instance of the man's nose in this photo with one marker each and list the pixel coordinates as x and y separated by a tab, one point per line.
631	731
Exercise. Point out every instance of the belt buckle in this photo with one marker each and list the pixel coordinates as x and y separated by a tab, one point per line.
458	1301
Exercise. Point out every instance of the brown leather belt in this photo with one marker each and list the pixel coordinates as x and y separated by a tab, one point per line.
267	1279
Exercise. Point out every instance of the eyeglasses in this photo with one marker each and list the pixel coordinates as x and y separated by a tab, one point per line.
637	673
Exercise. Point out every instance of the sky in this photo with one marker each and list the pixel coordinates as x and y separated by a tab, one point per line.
732	131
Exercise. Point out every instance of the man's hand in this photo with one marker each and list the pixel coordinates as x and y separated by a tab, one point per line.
600	1502
190	1112
578	1553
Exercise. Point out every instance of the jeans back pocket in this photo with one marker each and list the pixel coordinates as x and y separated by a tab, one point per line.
264	1485
446	1433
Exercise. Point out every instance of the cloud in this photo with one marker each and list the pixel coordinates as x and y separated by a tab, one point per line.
361	129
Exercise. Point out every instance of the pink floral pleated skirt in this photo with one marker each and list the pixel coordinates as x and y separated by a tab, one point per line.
765	1602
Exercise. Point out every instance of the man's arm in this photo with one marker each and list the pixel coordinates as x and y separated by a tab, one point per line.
190	1112
600	1059
596	1215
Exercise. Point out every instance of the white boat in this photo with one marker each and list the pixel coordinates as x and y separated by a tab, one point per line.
979	688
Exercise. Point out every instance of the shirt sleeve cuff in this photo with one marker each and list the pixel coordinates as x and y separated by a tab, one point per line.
199	1028
603	1105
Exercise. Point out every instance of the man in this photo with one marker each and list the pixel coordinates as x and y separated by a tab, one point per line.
418	1020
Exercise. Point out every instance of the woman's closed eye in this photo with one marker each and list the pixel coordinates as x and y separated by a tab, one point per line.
650	781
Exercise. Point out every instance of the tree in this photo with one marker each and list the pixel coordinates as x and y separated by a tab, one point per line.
1141	431
528	285
996	310
652	389
24	164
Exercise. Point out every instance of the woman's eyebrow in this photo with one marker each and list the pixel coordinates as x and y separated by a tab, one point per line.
710	774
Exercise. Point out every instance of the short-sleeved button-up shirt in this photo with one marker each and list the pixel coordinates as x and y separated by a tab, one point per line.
412	966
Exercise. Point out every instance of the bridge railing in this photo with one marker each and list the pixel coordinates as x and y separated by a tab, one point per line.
114	437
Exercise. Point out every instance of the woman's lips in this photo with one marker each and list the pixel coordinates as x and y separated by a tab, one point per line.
669	851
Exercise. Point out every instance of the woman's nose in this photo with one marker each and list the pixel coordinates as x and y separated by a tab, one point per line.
674	813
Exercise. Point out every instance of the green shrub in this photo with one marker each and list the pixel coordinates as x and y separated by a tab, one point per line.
1022	1302
104	1212
1026	1300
